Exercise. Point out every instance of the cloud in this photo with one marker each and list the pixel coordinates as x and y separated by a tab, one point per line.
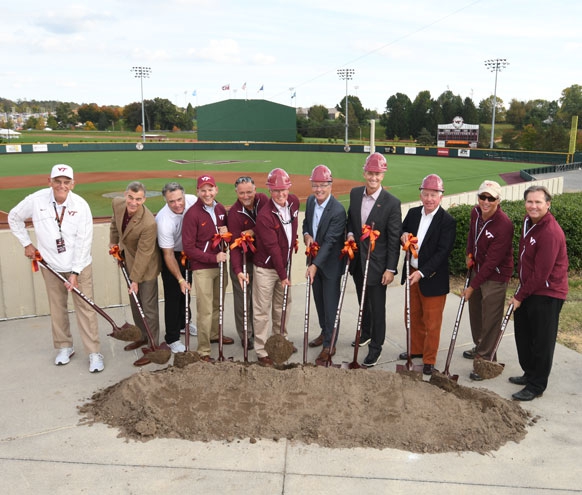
221	51
263	59
75	19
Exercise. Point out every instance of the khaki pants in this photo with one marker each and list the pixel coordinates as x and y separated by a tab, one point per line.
147	295
268	306
87	322
207	284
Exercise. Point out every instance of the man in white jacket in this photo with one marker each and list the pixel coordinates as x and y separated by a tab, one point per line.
63	225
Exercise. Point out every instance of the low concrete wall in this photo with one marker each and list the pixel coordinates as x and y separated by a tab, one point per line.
22	292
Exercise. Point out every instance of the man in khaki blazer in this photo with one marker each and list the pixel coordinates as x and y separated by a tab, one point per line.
133	228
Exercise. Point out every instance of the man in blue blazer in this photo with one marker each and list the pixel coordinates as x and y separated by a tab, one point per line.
324	224
372	206
435	230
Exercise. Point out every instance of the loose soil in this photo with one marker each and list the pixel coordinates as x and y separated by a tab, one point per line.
331	407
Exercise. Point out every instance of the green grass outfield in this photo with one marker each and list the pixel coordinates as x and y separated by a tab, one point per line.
405	172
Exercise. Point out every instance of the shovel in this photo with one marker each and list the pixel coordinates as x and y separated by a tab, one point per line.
221	308
456	330
349	249
409	366
488	368
186	264
367	231
156	354
127	332
311	253
277	346
245	242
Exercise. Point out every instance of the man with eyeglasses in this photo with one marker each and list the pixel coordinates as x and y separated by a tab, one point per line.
324	227
490	258
63	225
242	218
276	230
133	228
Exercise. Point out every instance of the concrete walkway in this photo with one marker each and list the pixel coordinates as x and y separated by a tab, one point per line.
45	450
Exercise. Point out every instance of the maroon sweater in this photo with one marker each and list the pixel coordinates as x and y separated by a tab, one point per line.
273	249
543	260
239	220
198	231
491	247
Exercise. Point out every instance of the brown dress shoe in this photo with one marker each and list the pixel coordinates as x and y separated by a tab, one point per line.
135	345
142	361
265	361
225	341
206	359
317	342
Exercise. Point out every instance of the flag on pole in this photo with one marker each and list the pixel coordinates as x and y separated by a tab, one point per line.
194	93
226	87
244	86
261	88
293	95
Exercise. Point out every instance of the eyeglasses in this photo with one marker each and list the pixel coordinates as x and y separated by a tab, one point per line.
243	180
320	186
484	197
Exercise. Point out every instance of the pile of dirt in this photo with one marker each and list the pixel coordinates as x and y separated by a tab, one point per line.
328	406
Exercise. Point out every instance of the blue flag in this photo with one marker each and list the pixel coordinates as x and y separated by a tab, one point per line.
194	93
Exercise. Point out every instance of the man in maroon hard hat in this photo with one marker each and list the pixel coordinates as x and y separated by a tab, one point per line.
324	227
435	230
276	234
372	204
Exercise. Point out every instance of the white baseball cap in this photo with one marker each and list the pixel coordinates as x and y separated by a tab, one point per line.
62	170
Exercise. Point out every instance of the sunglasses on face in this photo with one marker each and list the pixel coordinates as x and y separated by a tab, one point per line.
484	197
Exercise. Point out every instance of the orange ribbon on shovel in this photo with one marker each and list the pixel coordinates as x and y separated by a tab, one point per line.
349	249
367	231
35	260
312	250
410	245
296	245
245	242
218	238
116	253
183	259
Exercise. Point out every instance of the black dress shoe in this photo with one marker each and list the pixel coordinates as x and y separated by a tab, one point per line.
403	356
476	377
525	395
364	341
518	380
470	354
428	369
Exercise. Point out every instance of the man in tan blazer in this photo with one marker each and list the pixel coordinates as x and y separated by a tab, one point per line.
133	228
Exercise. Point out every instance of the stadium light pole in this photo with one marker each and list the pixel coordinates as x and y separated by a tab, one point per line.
142	72
495	65
346	75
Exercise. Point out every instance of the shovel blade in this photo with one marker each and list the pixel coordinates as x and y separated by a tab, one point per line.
126	333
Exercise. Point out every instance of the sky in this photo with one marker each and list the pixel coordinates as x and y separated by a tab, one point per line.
83	52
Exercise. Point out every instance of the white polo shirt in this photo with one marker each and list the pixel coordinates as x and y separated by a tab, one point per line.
170	225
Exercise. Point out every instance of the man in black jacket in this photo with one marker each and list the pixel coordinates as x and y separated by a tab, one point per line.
435	230
374	209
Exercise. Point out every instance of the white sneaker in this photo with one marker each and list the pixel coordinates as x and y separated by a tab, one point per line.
96	362
177	347
64	355
193	330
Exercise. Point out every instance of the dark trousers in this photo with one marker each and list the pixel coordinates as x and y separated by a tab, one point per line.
174	301
374	311
536	328
326	293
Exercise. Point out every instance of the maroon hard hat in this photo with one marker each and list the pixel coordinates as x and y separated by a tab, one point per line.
321	174
375	163
278	179
432	181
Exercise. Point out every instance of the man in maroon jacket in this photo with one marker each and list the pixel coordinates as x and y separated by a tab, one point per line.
490	254
543	278
202	222
276	231
242	217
